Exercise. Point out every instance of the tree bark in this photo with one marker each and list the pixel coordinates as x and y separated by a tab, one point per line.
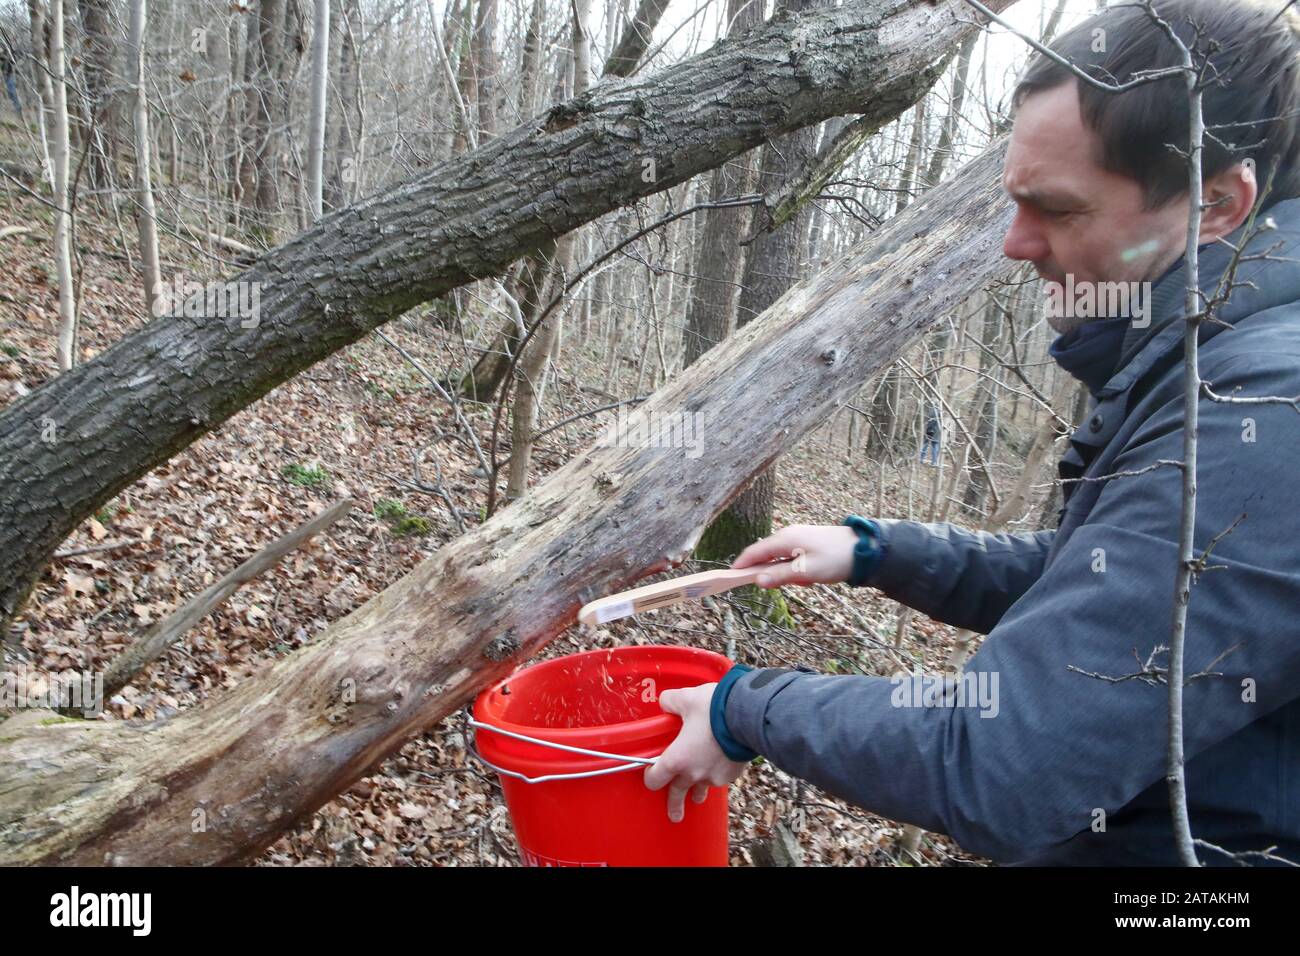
581	46
482	381
259	758
41	81
345	165
101	131
986	426
771	267
259	187
276	45
948	132
486	66
488	372
711	312
530	372
465	90
884	414
140	402
530	68
146	215
293	46
1045	437
62	191
320	52
632	46
530	375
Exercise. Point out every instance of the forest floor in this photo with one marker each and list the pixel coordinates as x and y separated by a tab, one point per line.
351	427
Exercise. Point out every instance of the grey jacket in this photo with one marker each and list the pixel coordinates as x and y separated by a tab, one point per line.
1058	767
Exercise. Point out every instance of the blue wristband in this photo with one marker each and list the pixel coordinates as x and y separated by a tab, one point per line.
867	553
733	748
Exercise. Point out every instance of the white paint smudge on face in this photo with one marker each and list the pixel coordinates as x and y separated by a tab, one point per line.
1144	249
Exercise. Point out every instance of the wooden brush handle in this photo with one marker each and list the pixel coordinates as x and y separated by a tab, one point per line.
651	596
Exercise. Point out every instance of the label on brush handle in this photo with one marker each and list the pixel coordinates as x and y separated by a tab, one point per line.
614	611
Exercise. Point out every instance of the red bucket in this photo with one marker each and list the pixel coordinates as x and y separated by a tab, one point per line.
605	701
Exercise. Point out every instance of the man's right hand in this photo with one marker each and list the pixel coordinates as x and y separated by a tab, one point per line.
817	553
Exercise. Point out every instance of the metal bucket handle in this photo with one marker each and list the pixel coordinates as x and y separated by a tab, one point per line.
633	763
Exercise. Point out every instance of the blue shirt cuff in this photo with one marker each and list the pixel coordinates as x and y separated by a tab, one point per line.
733	748
868	552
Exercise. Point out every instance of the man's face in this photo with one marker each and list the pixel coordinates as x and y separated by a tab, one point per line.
1073	216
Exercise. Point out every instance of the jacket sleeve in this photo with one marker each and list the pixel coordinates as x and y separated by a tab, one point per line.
963	578
1024	768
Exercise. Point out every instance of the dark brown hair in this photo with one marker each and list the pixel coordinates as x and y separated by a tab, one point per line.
1254	53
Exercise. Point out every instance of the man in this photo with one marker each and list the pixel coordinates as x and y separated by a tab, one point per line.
1063	766
10	80
930	437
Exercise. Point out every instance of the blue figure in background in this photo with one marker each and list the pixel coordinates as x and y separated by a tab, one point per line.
933	432
11	80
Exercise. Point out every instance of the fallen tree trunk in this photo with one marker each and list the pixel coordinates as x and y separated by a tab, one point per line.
217	785
73	443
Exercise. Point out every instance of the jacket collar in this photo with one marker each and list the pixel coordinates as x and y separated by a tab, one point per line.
1091	352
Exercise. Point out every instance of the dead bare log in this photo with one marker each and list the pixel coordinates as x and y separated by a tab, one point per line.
97	548
234	245
154	642
217	785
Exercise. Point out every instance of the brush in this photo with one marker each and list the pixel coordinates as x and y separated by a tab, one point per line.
651	596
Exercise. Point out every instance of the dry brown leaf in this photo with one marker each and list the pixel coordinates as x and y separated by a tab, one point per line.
75	584
412	811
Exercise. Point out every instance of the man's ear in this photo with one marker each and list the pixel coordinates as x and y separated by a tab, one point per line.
1229	198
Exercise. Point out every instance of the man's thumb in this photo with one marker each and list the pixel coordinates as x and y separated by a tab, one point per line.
667	700
780	573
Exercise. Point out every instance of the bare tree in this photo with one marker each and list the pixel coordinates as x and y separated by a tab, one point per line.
99	131
147	211
534	358
320	56
62	192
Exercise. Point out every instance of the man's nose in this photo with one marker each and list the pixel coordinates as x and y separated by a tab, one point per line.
1024	241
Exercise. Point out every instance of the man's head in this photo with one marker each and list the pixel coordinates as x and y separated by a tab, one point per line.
1100	194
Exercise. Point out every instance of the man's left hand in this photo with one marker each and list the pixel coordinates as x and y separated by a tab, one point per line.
694	761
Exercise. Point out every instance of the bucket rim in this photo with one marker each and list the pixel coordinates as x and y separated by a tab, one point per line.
642	729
